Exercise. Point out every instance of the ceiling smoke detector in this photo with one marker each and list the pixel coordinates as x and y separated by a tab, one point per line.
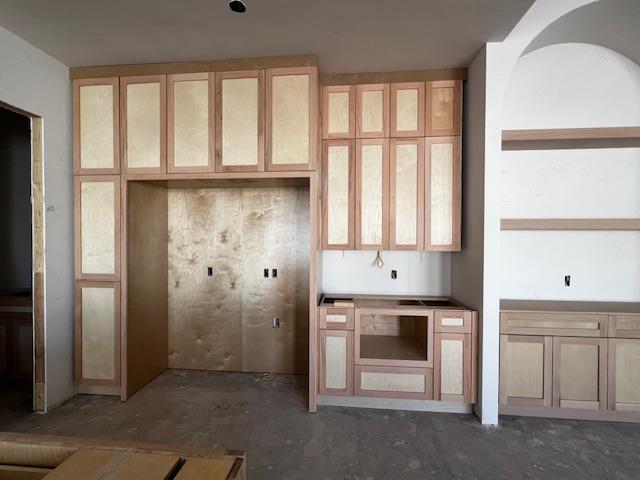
237	6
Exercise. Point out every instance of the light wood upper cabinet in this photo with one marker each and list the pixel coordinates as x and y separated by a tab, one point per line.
580	373
444	108
338	195
372	194
624	374
292	118
406	179
240	121
97	227
190	122
338	112
336	362
407	106
96	126
443	206
372	110
143	116
97	334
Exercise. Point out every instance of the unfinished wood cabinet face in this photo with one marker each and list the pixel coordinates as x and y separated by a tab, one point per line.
393	382
144	120
372	194
580	373
97	333
624	374
240	121
566	324
407	109
526	370
444	108
453	321
190	123
336	362
452	367
338	195
338	112
372	110
406	194
96	134
336	318
624	326
97	224
292	115
4	346
443	206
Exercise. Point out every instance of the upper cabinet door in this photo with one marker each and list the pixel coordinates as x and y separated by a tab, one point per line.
337	195
240	121
338	111
372	110
407	109
406	194
372	194
190	120
144	121
97	227
443	165
292	118
96	132
444	108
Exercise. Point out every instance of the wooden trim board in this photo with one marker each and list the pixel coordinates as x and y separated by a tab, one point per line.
570	224
571	138
394	77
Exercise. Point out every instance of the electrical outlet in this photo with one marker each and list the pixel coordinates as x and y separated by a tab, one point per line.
275	323
274	272
394	274
567	280
266	273
210	271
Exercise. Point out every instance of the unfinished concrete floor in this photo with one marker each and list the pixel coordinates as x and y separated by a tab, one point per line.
265	415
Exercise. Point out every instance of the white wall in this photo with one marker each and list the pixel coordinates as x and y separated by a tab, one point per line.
418	273
35	82
571	85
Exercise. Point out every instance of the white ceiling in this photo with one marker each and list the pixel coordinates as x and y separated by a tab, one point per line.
614	24
347	35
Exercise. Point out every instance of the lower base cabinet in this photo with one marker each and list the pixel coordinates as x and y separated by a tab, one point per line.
336	362
453	368
624	374
394	382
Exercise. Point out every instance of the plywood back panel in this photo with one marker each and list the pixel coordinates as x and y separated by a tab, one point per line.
240	121
98	225
97	127
143	125
190	105
290	138
147	326
99	310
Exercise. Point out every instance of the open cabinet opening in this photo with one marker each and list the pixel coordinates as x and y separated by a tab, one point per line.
217	277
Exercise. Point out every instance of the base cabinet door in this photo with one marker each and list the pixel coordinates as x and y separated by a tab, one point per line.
624	374
525	370
453	368
97	332
336	362
580	373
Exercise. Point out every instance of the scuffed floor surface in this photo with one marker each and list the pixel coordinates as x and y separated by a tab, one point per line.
265	415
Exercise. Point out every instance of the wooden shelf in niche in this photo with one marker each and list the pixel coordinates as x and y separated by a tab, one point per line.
571	138
391	347
570	224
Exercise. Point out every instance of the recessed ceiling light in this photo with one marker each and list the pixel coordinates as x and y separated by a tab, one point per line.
237	6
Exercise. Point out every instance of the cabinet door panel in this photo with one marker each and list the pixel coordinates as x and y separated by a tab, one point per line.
393	382
190	123
624	374
292	115
526	370
406	194
240	121
96	123
336	362
407	109
444	108
453	367
338	112
443	204
579	373
97	224
97	334
372	194
372	110
144	117
338	195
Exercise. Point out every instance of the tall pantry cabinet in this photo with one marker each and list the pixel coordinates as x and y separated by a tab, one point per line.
408	165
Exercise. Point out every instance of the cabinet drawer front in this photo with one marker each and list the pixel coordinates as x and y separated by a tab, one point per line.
398	382
554	324
453	321
337	318
624	326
